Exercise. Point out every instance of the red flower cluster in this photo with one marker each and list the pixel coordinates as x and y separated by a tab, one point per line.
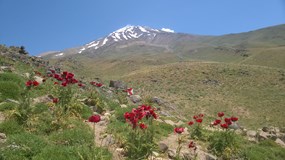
138	114
228	121
94	118
197	118
96	84
65	78
179	130
31	83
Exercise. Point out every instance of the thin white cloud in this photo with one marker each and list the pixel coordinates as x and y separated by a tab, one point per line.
167	30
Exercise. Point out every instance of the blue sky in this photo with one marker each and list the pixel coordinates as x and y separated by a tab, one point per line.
49	25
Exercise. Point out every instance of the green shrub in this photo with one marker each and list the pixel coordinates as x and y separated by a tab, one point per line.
73	153
9	90
7	106
10	127
25	145
74	135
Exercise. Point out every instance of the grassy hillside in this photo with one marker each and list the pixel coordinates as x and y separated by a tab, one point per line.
256	94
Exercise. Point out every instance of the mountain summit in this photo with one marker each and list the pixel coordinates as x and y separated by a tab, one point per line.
127	33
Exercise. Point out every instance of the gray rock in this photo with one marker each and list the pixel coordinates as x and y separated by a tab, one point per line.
123	106
108	141
162	147
157	100
251	133
135	98
171	154
3	136
43	99
282	129
280	142
118	85
265	129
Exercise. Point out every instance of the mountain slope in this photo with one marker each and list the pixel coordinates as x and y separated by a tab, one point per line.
135	47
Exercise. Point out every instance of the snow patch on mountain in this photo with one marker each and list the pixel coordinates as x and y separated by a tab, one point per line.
167	30
60	54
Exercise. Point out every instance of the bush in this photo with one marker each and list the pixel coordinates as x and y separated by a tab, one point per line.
10	127
23	145
9	90
7	106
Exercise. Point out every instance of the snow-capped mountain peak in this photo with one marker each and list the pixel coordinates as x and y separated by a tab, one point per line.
127	33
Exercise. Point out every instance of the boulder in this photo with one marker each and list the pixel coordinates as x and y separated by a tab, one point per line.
43	99
280	142
118	85
171	154
135	98
108	141
157	100
162	147
2	137
123	106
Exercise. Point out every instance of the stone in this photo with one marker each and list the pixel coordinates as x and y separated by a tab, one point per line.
187	156
282	129
251	133
171	154
135	98
263	136
43	99
162	147
38	79
155	154
3	136
280	142
123	106
265	129
157	100
118	85
108	141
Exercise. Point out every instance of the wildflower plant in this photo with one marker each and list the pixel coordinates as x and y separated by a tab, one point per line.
140	138
196	123
225	143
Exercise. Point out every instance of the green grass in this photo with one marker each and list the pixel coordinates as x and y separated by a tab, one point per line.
264	150
196	87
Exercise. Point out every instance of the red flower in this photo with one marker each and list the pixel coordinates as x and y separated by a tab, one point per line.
35	83
199	120
55	100
29	83
201	115
225	125
190	123
55	83
143	126
221	114
94	118
99	84
179	130
234	118
130	91
81	85
216	122
195	117
227	120
64	84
